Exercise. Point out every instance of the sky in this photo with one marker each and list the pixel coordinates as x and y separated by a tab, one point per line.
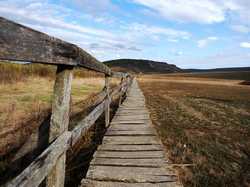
187	33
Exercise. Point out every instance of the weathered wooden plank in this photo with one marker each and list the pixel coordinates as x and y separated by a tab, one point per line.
156	162
36	172
133	112
129	133
95	183
108	147
131	127
131	122
20	43
129	154
132	109
130	174
126	113
130	118
130	140
84	125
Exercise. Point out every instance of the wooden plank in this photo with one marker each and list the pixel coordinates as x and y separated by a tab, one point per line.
129	133
84	125
20	43
130	118
132	108
129	154
108	147
122	114
130	174
36	172
131	127
125	113
132	122
130	140
95	183
156	162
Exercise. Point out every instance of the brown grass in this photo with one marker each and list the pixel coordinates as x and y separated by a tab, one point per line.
205	126
14	72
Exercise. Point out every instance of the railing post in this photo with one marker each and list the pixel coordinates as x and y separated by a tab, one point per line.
107	102
60	120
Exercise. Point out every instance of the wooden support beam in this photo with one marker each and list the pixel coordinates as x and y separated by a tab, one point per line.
60	120
107	102
61	101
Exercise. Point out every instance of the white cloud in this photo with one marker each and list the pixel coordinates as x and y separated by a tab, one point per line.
241	28
245	44
28	16
155	32
205	11
95	7
204	42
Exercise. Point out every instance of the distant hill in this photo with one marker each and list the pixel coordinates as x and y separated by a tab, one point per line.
217	70
141	66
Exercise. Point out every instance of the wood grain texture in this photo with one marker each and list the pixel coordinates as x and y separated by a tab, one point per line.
130	174
95	183
110	147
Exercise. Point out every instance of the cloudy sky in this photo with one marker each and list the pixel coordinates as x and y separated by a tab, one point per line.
188	33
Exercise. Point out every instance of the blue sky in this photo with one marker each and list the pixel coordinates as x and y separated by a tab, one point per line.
188	33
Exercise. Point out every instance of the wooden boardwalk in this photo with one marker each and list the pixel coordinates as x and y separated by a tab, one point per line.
131	154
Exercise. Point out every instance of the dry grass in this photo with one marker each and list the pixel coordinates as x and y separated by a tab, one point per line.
204	125
15	72
28	100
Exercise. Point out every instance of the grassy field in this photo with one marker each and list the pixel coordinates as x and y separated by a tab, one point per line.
204	122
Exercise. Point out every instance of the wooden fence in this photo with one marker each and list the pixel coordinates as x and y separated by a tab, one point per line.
20	43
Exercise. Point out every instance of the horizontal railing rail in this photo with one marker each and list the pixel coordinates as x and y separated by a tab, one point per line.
20	43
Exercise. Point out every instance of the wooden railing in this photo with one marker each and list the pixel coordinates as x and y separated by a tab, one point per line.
20	43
